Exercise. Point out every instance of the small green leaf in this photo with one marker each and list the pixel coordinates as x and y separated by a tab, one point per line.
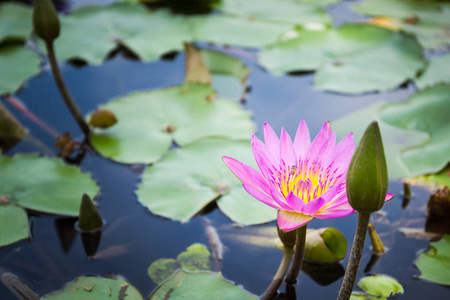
13	224
381	286
195	258
17	64
44	184
435	263
162	269
199	285
187	179
96	288
325	245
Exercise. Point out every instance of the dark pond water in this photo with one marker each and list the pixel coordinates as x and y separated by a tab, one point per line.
133	238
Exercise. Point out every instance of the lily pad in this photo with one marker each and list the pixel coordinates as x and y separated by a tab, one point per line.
13	224
148	122
199	285
187	179
435	263
353	58
442	178
96	288
21	63
426	111
325	245
428	20
381	286
292	12
15	22
44	184
436	73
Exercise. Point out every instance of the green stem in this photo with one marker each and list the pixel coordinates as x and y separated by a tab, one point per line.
292	275
355	256
67	97
279	275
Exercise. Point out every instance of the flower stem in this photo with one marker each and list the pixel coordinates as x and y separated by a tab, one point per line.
292	275
67	97
355	256
279	275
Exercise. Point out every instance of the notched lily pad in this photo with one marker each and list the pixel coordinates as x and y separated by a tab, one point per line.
17	63
96	288
13	224
354	58
199	285
435	263
436	72
189	178
44	184
150	121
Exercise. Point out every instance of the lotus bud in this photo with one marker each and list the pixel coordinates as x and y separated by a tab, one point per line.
45	20
325	245
89	216
367	177
102	118
287	237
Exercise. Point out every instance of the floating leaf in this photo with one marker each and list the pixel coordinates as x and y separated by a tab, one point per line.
279	11
96	288
435	263
187	179
17	64
15	22
325	245
426	111
13	224
150	121
381	286
436	72
199	285
395	139
429	20
442	178
353	58
44	184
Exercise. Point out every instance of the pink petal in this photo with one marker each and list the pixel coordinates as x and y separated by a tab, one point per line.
331	214
264	159
302	140
287	152
272	141
389	196
343	144
320	139
261	196
275	193
291	220
295	202
313	206
326	152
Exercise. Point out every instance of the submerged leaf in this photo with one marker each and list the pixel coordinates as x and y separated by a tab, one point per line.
162	269
435	263
199	285
13	224
11	131
195	69
195	258
96	288
44	184
187	179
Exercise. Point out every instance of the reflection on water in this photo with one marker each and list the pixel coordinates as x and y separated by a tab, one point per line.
133	238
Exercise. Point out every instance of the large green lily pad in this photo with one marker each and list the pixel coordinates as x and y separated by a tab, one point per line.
96	288
353	58
395	139
15	21
426	111
428	20
199	285
148	122
20	62
13	224
435	263
436	72
44	184
292	12
187	179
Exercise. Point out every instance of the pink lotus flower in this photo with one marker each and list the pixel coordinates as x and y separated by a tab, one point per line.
302	179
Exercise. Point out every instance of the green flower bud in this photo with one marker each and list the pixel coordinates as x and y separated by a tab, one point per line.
45	20
287	237
367	177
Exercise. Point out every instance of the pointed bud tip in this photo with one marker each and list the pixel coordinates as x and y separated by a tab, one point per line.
89	218
45	20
